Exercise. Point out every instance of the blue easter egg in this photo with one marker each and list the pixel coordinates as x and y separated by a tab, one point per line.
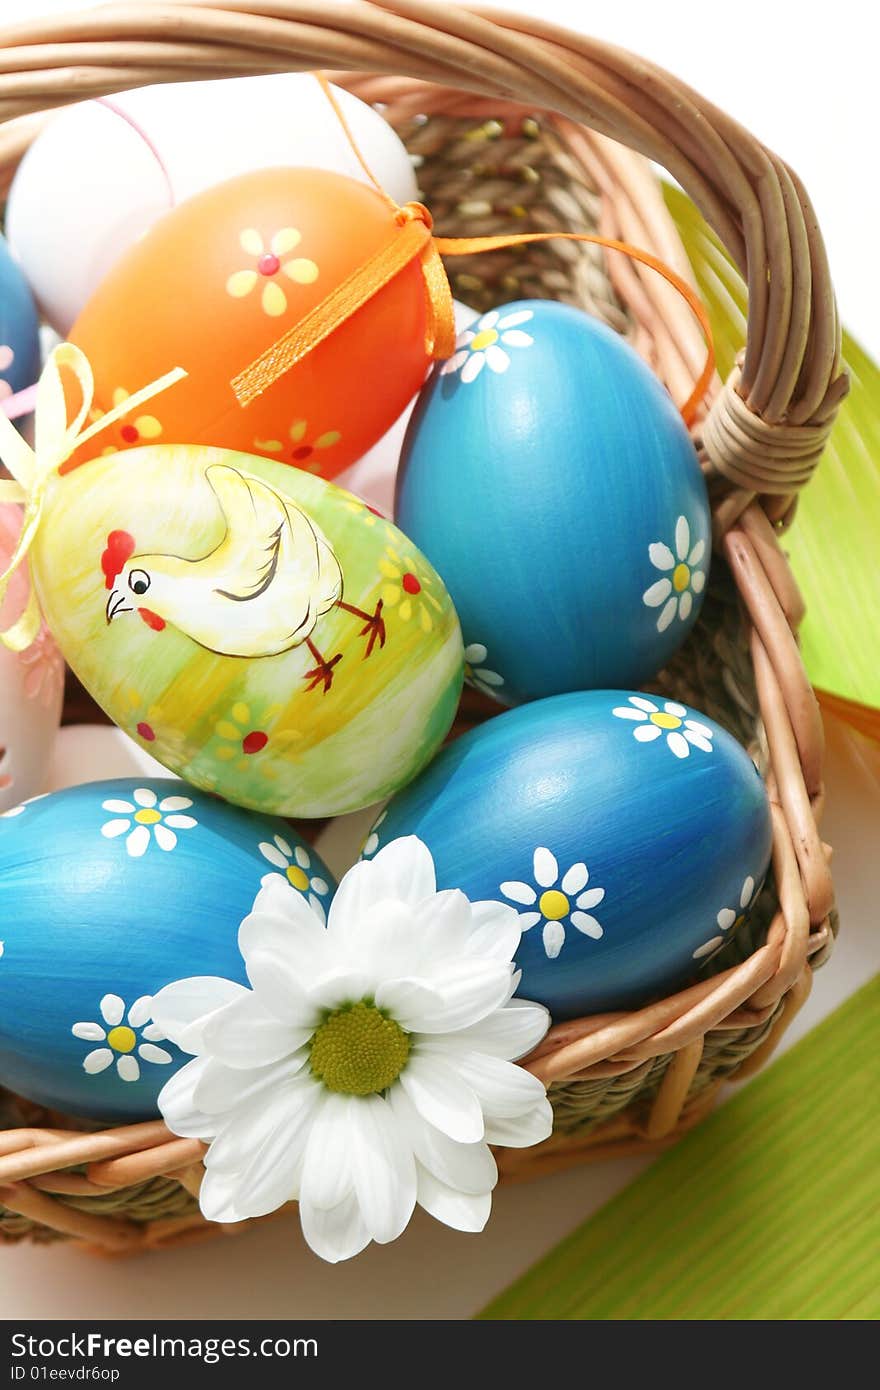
631	835
550	480
19	328
109	891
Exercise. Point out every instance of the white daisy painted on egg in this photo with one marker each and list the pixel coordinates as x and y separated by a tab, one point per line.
146	816
296	866
477	673
124	1038
371	843
553	902
682	577
487	344
672	720
729	920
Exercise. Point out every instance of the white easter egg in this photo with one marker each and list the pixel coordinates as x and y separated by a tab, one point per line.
101	173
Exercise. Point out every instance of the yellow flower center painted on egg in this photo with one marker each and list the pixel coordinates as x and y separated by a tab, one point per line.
147	816
554	905
665	721
681	577
358	1050
122	1039
483	340
297	877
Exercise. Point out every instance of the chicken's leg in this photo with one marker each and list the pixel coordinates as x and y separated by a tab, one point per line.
322	670
374	624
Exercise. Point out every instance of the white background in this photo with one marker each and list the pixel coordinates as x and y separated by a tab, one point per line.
803	78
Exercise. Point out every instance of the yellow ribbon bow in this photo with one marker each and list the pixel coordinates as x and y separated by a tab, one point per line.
55	439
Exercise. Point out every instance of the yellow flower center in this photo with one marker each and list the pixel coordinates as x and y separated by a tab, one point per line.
554	905
297	877
121	1039
484	339
147	817
666	721
358	1051
681	577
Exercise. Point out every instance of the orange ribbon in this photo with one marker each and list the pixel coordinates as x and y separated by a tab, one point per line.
415	239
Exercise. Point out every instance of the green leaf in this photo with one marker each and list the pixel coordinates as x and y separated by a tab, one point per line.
835	539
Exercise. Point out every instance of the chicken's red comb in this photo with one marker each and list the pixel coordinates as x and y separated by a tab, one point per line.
120	548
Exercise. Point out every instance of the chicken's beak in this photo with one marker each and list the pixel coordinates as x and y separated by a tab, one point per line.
116	604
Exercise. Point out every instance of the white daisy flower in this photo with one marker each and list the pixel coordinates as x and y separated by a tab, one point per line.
485	344
124	1038
652	722
371	843
296	867
476	673
368	1066
729	920
681	579
555	903
150	815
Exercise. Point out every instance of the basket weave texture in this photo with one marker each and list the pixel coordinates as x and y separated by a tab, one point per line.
514	126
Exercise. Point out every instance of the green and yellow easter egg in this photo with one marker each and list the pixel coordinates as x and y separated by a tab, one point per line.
261	632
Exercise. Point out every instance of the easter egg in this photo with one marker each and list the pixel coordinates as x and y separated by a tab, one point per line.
218	281
108	892
258	630
630	833
548	476
31	687
19	328
102	172
94	752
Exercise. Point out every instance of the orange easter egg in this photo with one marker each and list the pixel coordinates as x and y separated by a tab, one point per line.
217	281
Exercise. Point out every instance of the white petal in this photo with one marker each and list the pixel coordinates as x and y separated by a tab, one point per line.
726	918
442	1098
153	1033
697	553
252	1123
515	319
646	733
672	707
667	614
282	923
175	803
220	1196
495	930
326	1175
458	994
462	1211
708	947
403	871
488	677
678	744
475	653
698	741
88	1032
301	856
122	808
165	838
335	1234
97	1061
748	889
244	1034
384	1168
111	828
546	867
465	1167
473	366
128	1068
524	1130
553	937
489	320
514	337
273	855
158	1055
181	822
284	845
586	924
591	898
145	797
641	702
699	728
575	879
338	987
177	1105
685	604
141	1011
138	842
112	1009
682	538
503	1089
519	892
625	712
656	594
454	362
222	1090
271	1177
280	991
698	579
181	1009
317	907
661	556
529	919
319	885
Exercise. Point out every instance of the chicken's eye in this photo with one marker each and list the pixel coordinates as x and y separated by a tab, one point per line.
139	581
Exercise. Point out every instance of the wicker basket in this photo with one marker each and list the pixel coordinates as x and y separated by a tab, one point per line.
508	119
